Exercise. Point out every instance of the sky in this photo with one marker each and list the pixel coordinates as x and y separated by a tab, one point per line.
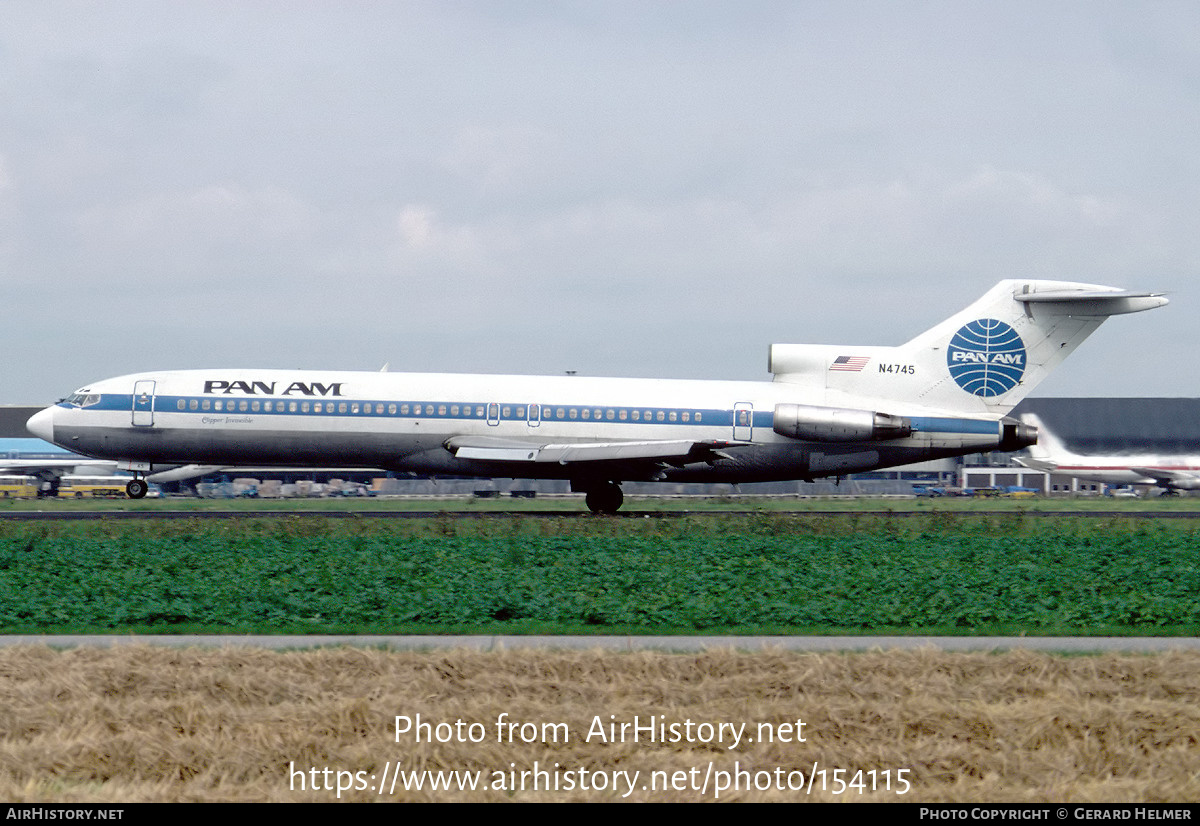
656	189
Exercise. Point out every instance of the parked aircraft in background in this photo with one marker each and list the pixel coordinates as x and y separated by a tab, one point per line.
33	457
830	410
1173	473
49	463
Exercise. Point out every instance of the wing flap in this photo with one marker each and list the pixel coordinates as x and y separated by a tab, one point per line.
505	450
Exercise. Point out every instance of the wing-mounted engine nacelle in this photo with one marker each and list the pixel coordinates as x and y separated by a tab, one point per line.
837	424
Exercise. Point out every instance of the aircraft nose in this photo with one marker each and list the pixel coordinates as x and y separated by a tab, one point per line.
41	424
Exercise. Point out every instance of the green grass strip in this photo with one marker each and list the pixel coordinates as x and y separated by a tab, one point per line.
944	573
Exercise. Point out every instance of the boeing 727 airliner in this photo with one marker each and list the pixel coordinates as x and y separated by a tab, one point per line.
829	410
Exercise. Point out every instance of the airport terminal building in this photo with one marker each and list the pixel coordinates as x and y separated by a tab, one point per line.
1155	426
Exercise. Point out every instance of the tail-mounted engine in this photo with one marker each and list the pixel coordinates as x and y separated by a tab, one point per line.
1015	434
837	424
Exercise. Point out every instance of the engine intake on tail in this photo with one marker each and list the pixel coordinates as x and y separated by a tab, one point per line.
837	424
1015	435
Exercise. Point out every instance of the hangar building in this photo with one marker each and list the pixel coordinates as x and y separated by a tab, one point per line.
1162	426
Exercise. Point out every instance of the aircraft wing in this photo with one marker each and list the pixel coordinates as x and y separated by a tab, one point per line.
488	449
32	467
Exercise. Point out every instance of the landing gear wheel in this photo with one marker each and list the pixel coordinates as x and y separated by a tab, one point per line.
606	498
136	488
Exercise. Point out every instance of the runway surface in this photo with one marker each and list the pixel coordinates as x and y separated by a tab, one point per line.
34	516
1074	645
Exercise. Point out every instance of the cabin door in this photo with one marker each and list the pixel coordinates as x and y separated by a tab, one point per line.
743	422
143	403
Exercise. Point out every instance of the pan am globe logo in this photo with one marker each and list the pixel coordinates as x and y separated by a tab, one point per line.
986	357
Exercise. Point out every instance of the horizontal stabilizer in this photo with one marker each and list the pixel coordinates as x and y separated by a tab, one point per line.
1091	302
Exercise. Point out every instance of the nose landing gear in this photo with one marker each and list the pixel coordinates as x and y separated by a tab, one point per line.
136	489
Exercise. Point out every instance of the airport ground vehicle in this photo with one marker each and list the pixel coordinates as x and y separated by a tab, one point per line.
18	487
79	487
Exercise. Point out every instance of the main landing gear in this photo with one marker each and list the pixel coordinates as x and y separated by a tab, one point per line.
136	489
603	497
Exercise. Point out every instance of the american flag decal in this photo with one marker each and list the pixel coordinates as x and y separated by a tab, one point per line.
849	364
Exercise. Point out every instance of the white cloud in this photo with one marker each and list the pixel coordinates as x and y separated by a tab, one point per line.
416	226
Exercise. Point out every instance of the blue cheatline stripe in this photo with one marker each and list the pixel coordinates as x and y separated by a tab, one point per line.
478	411
392	409
931	424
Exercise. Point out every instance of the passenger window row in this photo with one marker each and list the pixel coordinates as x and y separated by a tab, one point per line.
430	409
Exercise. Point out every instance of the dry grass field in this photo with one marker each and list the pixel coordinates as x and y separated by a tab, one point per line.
136	723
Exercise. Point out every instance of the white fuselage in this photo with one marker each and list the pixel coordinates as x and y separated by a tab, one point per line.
1171	472
403	421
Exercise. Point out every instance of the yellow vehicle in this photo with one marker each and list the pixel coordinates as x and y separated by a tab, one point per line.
78	487
18	487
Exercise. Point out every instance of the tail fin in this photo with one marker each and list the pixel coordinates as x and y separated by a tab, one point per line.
981	361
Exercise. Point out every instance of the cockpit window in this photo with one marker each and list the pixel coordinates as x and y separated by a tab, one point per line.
84	399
